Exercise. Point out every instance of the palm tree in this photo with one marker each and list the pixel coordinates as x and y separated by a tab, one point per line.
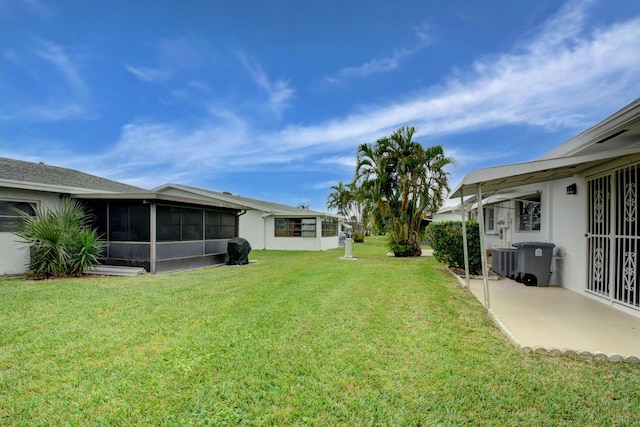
347	202
403	182
340	199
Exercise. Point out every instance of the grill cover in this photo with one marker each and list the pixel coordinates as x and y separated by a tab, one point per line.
238	249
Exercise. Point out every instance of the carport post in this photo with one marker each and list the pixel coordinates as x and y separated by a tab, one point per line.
465	245
483	254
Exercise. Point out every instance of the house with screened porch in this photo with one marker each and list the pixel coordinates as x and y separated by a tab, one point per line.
268	225
140	228
582	197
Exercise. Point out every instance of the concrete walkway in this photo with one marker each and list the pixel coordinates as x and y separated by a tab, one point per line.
556	321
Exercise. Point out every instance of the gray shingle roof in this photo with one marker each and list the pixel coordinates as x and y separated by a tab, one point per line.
261	205
63	178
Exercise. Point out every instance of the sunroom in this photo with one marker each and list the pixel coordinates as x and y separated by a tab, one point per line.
162	233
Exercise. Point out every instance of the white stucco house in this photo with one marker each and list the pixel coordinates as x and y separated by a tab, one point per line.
583	198
267	225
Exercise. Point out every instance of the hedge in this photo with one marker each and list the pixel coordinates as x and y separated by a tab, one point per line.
445	238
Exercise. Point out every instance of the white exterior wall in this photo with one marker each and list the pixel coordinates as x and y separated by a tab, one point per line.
252	228
317	243
563	223
14	255
569	218
327	243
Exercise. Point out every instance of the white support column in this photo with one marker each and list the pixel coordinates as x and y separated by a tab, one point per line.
483	253
465	245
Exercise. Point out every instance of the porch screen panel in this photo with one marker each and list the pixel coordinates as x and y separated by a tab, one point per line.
129	222
598	237
227	225
626	237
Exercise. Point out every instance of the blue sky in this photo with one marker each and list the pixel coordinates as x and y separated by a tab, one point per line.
270	99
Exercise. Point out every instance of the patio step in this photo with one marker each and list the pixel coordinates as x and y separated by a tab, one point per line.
115	270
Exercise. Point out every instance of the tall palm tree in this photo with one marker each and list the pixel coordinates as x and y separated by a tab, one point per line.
348	203
404	182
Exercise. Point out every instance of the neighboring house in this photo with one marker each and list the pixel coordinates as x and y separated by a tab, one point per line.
267	225
141	228
447	213
583	198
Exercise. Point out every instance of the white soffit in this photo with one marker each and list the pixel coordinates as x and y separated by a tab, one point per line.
509	176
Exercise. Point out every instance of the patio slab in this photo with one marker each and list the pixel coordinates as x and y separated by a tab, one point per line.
556	321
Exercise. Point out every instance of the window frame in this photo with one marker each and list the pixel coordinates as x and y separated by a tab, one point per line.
530	214
329	227
12	221
295	227
490	219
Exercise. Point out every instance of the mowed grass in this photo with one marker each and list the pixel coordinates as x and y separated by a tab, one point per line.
297	338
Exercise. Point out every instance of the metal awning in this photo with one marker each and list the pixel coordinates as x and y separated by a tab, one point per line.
514	175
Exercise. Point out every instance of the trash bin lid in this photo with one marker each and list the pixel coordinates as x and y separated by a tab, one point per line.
531	244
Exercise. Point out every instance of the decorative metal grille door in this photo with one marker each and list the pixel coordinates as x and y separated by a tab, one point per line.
613	239
626	237
598	235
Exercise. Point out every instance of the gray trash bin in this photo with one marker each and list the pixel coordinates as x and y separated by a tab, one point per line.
534	263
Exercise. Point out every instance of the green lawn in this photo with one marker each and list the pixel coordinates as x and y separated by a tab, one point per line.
294	339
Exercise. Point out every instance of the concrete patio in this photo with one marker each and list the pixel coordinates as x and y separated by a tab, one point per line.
555	321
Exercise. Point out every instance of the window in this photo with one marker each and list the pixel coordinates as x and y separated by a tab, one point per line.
295	227
529	212
490	219
9	218
329	227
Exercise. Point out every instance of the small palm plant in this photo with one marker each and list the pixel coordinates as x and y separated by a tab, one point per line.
62	243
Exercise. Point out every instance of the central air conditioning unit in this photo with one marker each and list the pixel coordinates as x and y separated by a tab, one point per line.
504	262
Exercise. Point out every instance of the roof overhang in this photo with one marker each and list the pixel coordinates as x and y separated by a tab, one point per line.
158	198
38	186
518	174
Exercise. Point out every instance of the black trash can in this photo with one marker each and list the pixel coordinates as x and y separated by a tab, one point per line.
534	263
238	250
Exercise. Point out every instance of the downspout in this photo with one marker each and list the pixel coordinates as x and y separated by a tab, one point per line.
238	215
264	228
465	245
483	253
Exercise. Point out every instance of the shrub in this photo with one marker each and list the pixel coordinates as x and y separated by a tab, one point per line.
446	240
358	238
61	241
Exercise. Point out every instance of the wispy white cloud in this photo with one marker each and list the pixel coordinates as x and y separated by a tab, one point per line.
384	63
279	92
65	95
169	56
60	59
150	75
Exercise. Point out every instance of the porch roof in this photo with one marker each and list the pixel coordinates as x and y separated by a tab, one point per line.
514	175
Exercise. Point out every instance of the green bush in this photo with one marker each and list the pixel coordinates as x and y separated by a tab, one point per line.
62	244
446	240
358	238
